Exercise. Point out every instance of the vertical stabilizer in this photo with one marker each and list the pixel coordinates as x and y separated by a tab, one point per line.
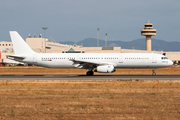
19	45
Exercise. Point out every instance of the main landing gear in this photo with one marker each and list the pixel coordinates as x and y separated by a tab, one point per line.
89	73
153	72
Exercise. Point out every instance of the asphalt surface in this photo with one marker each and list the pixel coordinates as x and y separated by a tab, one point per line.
84	77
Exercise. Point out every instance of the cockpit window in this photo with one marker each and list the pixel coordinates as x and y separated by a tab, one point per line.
164	58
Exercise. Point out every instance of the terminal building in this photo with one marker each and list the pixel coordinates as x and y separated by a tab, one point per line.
43	45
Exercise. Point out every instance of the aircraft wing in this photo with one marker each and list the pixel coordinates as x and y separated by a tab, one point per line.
86	64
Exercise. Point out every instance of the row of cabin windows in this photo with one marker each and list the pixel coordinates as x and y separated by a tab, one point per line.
99	58
91	58
55	58
5	44
136	58
74	58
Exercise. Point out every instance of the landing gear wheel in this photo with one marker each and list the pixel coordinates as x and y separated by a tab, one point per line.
89	73
153	72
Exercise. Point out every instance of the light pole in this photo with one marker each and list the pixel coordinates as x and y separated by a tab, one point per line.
132	46
45	28
97	37
106	40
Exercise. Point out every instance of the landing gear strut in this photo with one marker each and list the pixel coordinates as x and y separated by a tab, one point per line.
153	72
89	73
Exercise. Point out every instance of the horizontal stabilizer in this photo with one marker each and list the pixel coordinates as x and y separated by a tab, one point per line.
15	57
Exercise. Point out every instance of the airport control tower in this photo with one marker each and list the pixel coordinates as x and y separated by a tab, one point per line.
148	31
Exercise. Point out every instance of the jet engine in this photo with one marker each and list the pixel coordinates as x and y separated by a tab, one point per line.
105	69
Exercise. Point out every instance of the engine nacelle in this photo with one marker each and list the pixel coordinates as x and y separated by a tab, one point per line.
105	69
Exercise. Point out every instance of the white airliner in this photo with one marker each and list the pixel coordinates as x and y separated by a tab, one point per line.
94	62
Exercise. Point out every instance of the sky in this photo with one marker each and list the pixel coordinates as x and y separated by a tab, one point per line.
75	20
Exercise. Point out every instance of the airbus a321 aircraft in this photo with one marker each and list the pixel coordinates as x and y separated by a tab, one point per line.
94	62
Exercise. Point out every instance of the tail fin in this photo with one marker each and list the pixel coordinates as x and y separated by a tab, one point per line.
164	54
19	45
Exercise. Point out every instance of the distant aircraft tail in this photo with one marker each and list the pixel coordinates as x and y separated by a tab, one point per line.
19	45
164	54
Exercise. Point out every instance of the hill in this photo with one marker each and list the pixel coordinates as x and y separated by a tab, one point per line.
139	44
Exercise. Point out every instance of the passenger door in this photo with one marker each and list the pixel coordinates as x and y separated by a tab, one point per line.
35	59
121	59
154	58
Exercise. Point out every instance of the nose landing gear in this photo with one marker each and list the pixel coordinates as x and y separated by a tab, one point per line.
153	72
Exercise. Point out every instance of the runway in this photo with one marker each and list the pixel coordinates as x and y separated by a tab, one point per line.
84	77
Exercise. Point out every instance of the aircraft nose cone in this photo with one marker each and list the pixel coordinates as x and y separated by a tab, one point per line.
170	63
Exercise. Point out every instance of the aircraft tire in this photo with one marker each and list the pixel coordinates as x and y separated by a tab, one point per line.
89	73
154	74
